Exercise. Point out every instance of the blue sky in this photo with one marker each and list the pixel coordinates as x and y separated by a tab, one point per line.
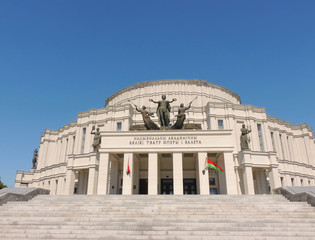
58	58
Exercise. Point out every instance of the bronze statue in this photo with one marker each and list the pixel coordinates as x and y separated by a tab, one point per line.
97	139
244	138
35	159
163	110
148	123
181	116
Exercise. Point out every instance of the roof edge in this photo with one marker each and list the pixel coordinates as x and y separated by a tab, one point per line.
186	81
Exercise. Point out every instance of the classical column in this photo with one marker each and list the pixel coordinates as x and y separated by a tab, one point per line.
128	178
113	177
53	186
153	174
83	179
70	178
261	176
103	171
248	180
308	149
287	180
230	175
203	175
274	179
42	155
178	173
92	182
60	185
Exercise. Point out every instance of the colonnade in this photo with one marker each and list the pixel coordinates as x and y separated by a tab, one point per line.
99	174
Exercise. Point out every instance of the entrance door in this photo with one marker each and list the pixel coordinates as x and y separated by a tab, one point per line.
190	186
166	186
213	184
143	186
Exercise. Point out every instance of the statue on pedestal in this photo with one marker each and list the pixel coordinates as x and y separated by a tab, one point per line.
97	139
244	138
146	116
163	110
35	155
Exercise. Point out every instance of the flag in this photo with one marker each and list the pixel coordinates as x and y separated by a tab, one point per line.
128	169
213	165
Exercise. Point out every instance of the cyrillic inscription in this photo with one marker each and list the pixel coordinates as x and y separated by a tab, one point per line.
163	140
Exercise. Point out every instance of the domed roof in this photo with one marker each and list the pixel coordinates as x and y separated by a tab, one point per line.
178	88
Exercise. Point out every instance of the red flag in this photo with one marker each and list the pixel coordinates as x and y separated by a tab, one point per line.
213	165
128	169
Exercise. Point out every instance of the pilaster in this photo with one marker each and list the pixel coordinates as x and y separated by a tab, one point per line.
103	171
113	177
70	178
128	178
178	173
92	182
203	175
153	174
230	176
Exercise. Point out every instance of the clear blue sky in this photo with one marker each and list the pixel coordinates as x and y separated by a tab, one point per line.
58	58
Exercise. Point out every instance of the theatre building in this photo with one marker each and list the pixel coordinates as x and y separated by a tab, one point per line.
132	159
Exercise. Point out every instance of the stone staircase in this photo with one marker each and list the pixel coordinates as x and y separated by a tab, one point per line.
187	217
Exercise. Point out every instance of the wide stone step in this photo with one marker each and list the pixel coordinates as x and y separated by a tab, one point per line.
165	198
187	208
157	217
169	237
165	214
141	219
149	227
128	233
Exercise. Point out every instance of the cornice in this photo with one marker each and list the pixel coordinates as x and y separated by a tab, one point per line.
172	81
61	129
242	107
298	174
296	164
53	166
289	125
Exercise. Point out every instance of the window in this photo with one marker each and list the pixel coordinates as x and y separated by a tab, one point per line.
292	181
220	124
273	142
83	139
261	142
56	189
73	144
119	126
212	181
281	180
301	182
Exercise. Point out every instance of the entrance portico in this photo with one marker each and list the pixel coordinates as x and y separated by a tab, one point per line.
171	162
167	162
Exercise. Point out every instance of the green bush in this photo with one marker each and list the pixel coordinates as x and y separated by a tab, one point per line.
2	185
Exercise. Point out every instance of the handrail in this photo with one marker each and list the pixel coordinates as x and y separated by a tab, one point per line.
20	194
297	194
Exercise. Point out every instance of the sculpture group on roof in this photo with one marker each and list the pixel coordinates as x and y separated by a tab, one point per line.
163	113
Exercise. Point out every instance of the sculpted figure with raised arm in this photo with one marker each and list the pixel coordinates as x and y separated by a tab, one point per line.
163	110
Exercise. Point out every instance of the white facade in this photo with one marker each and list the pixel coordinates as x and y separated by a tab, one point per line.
172	161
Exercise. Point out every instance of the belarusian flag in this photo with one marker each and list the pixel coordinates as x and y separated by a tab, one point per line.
128	169
213	165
